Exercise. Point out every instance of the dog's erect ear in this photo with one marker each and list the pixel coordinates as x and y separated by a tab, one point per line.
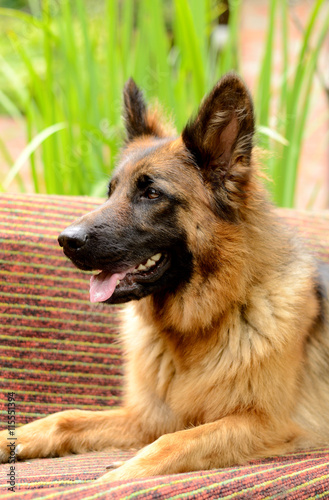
220	138
139	119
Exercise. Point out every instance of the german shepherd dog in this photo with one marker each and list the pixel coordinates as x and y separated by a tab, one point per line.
226	334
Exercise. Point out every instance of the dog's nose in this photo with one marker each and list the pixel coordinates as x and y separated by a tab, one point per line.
73	238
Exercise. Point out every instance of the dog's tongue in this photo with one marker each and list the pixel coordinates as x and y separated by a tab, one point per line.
103	285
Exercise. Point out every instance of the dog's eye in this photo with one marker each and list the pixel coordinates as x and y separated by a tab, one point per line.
151	194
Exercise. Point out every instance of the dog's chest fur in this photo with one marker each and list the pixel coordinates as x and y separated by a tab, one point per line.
204	380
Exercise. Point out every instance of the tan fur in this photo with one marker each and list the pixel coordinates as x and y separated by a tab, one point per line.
230	368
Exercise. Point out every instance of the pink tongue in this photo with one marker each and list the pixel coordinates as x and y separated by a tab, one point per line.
103	285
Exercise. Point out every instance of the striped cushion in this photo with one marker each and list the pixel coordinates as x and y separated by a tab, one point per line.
295	476
58	351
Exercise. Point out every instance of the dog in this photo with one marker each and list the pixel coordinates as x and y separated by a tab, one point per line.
226	330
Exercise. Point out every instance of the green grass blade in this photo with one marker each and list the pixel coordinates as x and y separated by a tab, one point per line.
190	46
263	98
294	152
72	65
9	106
29	149
297	106
272	134
229	57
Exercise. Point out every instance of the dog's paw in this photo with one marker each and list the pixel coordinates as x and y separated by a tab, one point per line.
120	473
9	447
34	440
115	465
132	469
150	461
116	473
14	448
4	449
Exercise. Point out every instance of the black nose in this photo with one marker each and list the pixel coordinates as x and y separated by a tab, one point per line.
73	238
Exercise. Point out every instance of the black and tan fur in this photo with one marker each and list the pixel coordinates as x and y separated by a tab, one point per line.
227	351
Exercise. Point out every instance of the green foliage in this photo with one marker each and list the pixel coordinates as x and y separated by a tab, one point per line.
64	66
294	97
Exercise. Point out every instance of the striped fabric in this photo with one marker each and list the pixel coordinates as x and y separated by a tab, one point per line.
58	351
296	476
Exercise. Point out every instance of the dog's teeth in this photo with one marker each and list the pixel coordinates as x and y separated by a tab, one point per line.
147	263
95	272
118	282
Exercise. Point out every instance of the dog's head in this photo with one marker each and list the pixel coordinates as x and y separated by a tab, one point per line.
166	194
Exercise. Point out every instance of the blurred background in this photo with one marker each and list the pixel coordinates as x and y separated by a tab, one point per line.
63	64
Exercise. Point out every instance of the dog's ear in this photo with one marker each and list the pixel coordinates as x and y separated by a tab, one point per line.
139	120
220	138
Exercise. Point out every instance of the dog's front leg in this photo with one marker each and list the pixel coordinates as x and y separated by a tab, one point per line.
230	441
74	431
